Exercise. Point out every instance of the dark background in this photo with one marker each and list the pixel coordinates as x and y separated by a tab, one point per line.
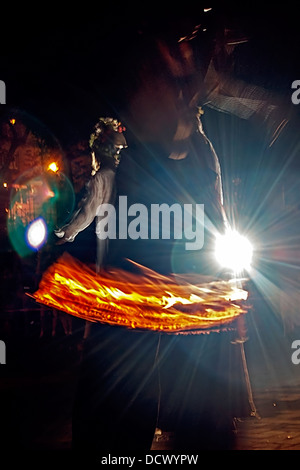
66	67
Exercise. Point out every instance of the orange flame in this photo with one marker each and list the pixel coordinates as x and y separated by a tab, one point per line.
142	300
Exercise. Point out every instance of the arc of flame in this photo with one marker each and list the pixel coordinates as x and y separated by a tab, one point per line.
142	300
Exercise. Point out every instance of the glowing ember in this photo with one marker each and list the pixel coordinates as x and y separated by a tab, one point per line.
143	300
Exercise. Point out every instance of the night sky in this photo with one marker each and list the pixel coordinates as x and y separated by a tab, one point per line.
66	67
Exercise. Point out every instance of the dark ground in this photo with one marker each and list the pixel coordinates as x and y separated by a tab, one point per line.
39	379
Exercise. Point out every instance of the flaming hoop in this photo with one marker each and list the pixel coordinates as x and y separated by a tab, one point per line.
143	299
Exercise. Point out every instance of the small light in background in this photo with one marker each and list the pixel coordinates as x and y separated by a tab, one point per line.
53	167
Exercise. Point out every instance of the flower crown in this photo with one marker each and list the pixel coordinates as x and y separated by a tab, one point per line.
106	143
104	131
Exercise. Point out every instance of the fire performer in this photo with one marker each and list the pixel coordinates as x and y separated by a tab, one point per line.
106	143
116	406
122	393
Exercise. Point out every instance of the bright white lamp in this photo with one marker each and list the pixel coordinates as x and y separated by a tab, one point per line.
233	251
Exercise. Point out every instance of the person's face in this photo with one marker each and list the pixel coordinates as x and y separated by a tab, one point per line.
160	96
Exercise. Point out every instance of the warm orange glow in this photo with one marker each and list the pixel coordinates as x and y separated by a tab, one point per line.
142	300
12	121
53	167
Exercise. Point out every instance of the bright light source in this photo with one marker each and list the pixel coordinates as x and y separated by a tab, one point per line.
36	234
53	167
233	251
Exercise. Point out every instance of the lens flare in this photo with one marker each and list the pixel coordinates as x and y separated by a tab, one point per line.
36	234
233	251
37	195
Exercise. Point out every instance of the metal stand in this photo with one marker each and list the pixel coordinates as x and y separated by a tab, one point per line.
240	341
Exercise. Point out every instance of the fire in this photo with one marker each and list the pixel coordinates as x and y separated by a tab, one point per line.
142	299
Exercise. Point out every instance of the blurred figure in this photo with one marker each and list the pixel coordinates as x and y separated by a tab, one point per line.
117	402
128	382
